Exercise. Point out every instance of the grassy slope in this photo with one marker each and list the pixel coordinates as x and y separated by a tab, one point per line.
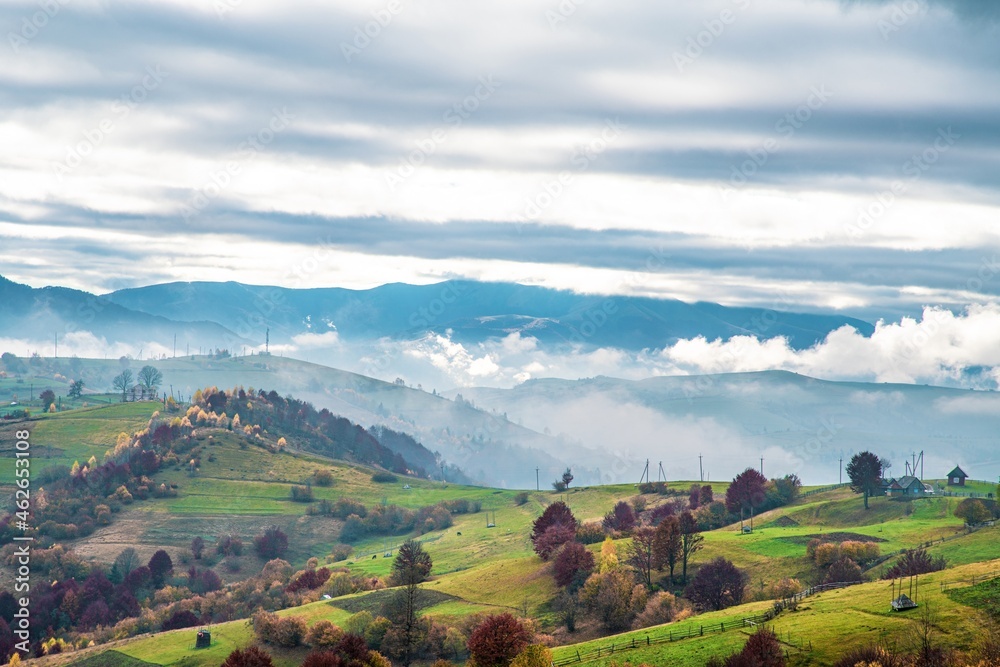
483	567
820	630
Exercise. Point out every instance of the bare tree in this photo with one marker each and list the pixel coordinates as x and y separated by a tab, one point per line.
122	382
150	377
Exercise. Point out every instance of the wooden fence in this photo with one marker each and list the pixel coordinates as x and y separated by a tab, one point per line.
699	630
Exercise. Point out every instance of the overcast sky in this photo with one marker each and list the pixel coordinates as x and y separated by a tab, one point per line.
844	154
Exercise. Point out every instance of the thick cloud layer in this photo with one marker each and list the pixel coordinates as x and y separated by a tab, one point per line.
843	153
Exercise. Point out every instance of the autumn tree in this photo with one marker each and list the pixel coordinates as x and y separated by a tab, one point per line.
621	518
271	543
75	389
746	491
411	566
150	377
913	562
572	565
197	547
842	571
567	477
667	544
717	585
865	472
691	540
251	656
47	397
123	382
556	514
497	640
642	553
613	598
973	511
763	649
160	565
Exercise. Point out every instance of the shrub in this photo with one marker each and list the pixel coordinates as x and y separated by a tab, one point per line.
229	545
382	477
323	659
302	494
341	552
761	650
323	478
661	608
309	580
590	532
497	640
521	498
556	514
869	655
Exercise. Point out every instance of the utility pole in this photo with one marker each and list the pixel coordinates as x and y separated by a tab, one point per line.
762	466
701	470
267	341
537	488
841	480
55	346
442	472
175	346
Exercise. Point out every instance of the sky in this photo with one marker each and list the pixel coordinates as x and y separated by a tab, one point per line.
841	154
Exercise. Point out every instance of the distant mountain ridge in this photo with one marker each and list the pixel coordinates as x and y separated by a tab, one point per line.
29	313
472	312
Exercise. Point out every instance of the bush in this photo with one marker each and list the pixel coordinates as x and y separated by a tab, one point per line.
323	478
341	552
661	608
590	533
382	477
535	655
546	542
869	655
228	545
302	494
554	537
761	650
521	498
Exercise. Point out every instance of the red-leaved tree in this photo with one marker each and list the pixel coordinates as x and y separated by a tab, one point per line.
497	640
556	514
746	492
573	564
621	518
252	656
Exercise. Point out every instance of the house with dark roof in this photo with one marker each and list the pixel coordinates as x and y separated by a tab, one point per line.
906	487
957	477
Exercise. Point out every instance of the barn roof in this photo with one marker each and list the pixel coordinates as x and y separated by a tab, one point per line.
957	472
